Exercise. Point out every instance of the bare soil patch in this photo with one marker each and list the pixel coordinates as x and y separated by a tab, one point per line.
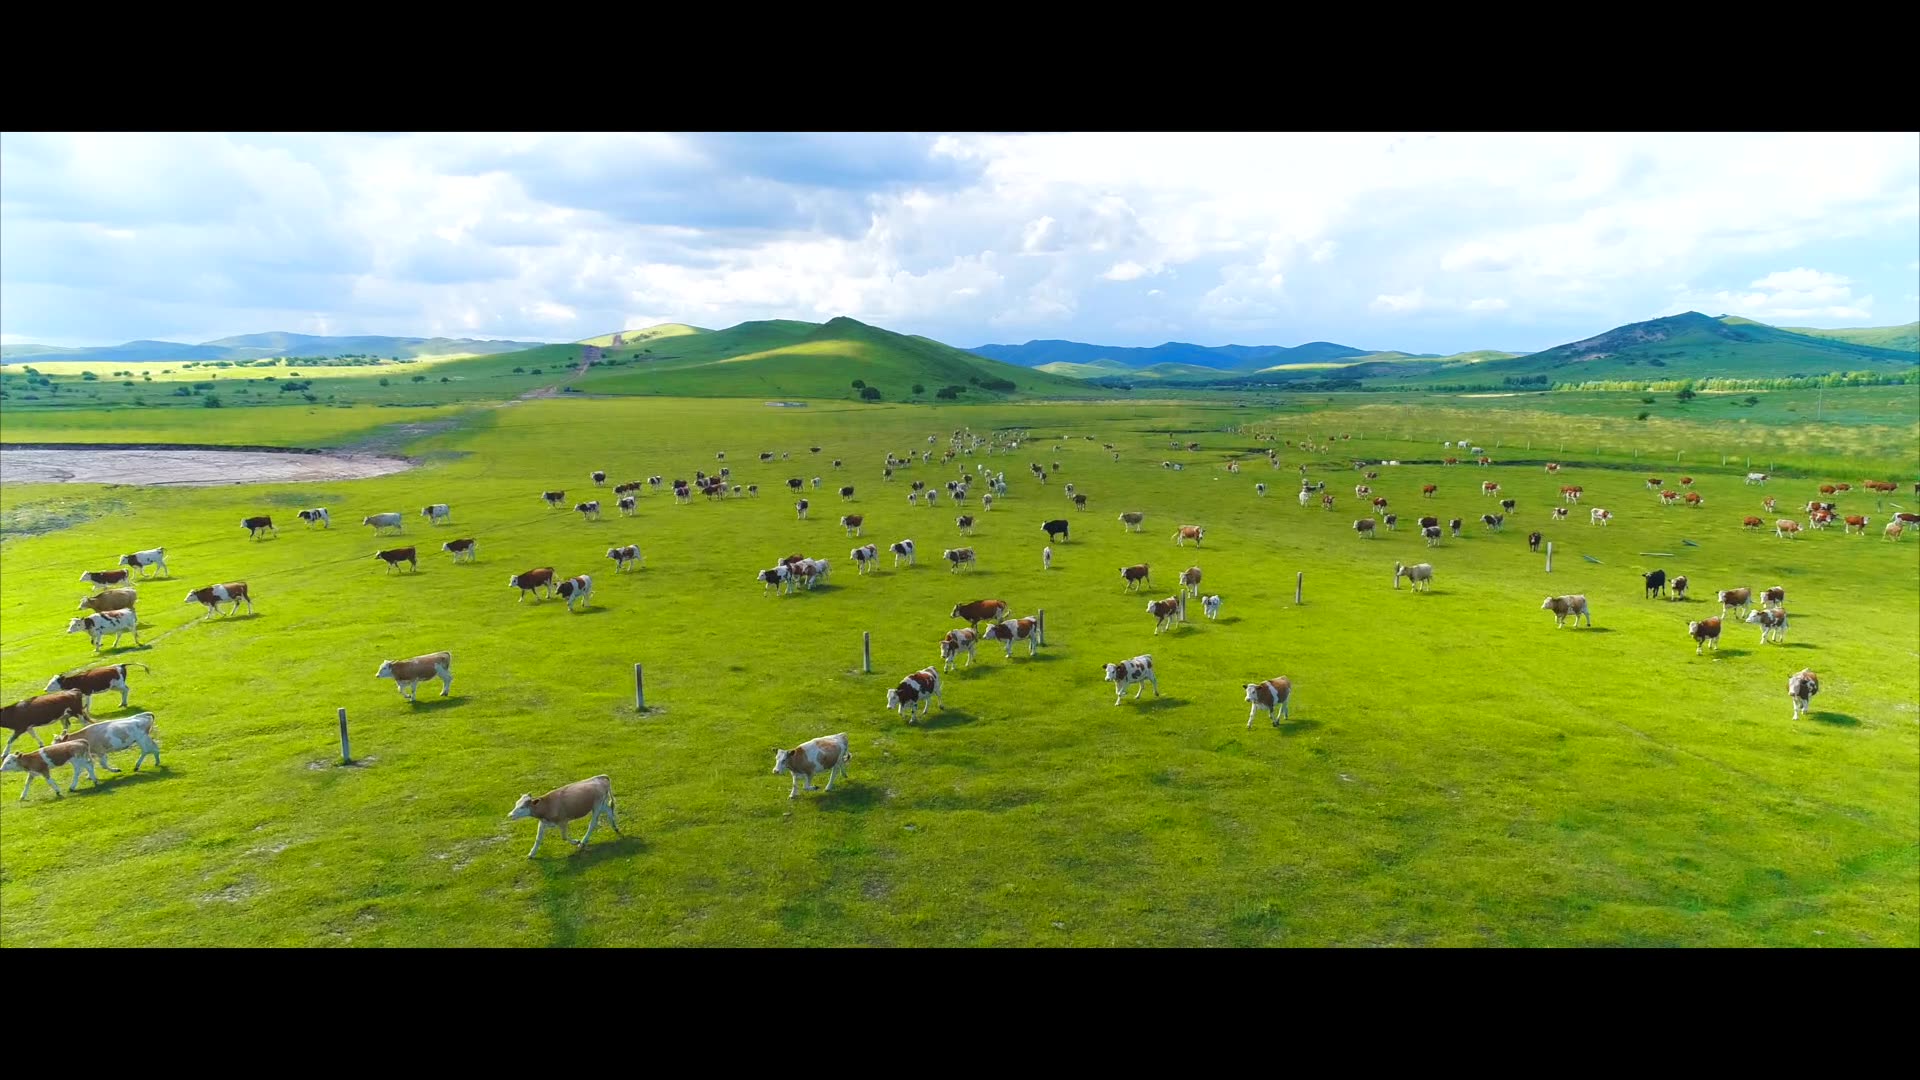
180	466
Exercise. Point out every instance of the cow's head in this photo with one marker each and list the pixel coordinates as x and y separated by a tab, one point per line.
523	808
1113	672
11	763
80	623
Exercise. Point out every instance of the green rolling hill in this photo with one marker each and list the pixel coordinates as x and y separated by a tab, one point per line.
1899	338
261	347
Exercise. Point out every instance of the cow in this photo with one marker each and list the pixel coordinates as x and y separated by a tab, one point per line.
554	499
1653	483
1364	527
96	681
1906	517
1432	535
1135	576
1568	607
1453	527
980	611
1772	624
532	581
1190	581
110	600
407	675
233	592
116	623
1705	632
436	514
957	558
1274	695
462	550
599	478
1189	532
1734	601
778	578
1419	576
1786	527
1774	597
393	557
591	799
1046	558
1767	504
753	491
1260	491
1130	520
24	715
1693	499
986	502
682	493
1390	521
800	508
957	643
1750	522
1361	491
1493	521
1801	688
1379	506
1572	493
257	525
1137	673
965	524
1553	466
590	511
108	736
104	577
1826	489
382	522
1427	490
1507	505
864	558
902	549
1655	583
1686	481
624	557
852	523
41	763
1856	522
1056	530
1013	630
846	493
828	754
1533	541
1165	612
1893	530
1598	516
141	560
575	588
816	483
1326	501
628	505
1756	478
1079	501
316	516
914	696
1559	513
1667	497
1677	588
1489	488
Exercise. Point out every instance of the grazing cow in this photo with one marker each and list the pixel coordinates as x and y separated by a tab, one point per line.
914	696
141	560
104	577
1189	532
1598	516
1801	688
902	549
1056	529
1686	481
1432	535
232	592
1705	632
1419	576
1893	530
795	484
1507	505
1786	527
1453	527
575	588
965	524
1756	478
1131	520
407	675
317	515
436	513
589	510
1907	517
109	736
95	681
1533	541
599	477
1273	695
1568	607
1164	612
1326	501
1572	493
956	643
846	493
853	522
1190	580
624	556
463	550
1750	522
532	581
382	522
1013	630
828	754
1553	466
41	763
980	611
1361	491
1364	527
1692	498
1655	582
393	557
1856	522
627	505
110	600
257	525
24	715
1772	624
554	499
800	508
1667	497
103	623
1493	521
864	558
591	799
1137	673
1260	491
1734	601
1427	490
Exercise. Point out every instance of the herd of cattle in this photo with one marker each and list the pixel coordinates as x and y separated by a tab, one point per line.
69	696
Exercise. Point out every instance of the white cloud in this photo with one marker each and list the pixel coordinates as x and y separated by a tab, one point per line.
1487	303
1126	271
1403	303
1790	294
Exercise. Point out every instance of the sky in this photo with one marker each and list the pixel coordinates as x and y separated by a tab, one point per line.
1421	242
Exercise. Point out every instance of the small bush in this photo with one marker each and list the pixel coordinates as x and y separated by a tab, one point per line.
859	384
89	376
869	393
1643	416
383	381
919	389
419	378
211	401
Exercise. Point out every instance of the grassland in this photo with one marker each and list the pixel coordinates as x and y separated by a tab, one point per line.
1456	771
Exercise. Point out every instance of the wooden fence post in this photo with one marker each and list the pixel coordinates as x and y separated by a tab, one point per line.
1549	556
1040	627
866	651
1299	584
639	690
346	751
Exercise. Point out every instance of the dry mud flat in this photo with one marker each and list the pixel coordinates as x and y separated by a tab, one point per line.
186	466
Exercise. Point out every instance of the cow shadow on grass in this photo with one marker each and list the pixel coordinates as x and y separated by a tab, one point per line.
1297	726
109	782
1835	718
436	704
846	797
1596	629
940	718
585	611
1798	644
607	844
1728	652
1154	704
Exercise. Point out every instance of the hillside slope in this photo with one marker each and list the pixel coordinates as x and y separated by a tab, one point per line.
1213	357
1898	338
262	346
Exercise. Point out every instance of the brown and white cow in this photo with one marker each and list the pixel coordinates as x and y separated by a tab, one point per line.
257	525
24	715
1568	607
1692	498
1137	673
1856	523
532	581
980	611
1361	491
1190	580
1135	576
1772	624
1274	695
1489	487
1598	516
104	577
1132	519
1572	493
1735	601
462	550
39	764
574	589
1013	630
1166	612
1667	498
230	592
624	557
957	558
591	799
1786	527
1774	597
853	523
1677	588
393	557
99	625
110	600
915	694
1800	689
1189	532
828	754
1907	517
408	674
957	643
1705	632
98	680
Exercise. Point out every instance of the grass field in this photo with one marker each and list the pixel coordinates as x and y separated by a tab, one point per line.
1456	771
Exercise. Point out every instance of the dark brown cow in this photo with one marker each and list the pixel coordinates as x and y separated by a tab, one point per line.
23	716
980	611
393	557
257	525
104	577
1705	631
1134	576
532	581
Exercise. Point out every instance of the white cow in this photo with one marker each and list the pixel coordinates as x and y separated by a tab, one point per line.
1137	673
382	522
437	513
1598	516
1210	606
107	736
144	559
117	623
902	549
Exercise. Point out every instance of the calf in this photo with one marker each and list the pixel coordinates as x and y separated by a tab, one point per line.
232	592
828	754
1801	688
853	523
108	622
1786	527
436	513
1453	528
1165	612
591	799
1190	580
1427	490
965	524
532	581
554	499
1568	607
110	600
1774	597
1056	529
462	550
1364	527
1692	498
1533	541
1135	576
1735	600
957	558
1893	530
777	578
1489	487
1756	478
1189	532
624	557
316	516
599	477
800	509
1432	535
1559	513
1046	558
1772	624
1273	695
41	763
986	502
1131	520
575	588
1379	506
24	715
902	549
1306	499
257	525
956	643
588	510
1656	583
382	522
104	577
980	611
95	681
628	505
1210	606
846	492
1507	505
915	694
1326	501
407	675
1015	630
1419	576
1080	502
1705	632
1259	491
1599	516
393	557
1493	521
1572	493
1750	522
1856	523
864	558
141	560
1390	521
1137	673
109	736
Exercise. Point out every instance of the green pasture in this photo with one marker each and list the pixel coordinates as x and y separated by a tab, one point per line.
1457	771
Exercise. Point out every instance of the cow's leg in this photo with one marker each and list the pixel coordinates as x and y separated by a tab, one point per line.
446	681
539	835
108	765
795	789
1251	713
29	786
592	820
606	809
